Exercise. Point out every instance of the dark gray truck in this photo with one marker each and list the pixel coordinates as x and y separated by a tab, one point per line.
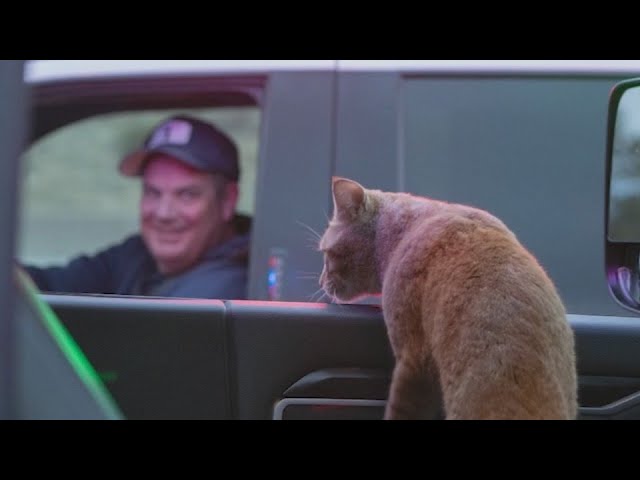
526	140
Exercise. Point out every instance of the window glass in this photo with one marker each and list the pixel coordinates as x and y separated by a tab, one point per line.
529	150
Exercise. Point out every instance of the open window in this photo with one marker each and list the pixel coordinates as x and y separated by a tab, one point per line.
74	202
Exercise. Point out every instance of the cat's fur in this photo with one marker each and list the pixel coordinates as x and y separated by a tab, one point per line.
472	318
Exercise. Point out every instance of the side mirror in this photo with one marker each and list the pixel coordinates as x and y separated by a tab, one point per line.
622	212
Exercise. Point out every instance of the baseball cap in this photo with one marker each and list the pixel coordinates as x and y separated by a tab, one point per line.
190	140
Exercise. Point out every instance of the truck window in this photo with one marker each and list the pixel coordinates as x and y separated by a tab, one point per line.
75	202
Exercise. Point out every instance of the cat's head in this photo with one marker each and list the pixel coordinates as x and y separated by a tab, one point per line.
348	244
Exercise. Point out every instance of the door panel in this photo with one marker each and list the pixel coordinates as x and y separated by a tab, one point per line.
253	360
159	359
273	345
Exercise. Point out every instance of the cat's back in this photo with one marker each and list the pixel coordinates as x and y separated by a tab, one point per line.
448	233
462	258
470	251
459	287
492	304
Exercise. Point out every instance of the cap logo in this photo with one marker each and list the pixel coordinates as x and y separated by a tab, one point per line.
177	132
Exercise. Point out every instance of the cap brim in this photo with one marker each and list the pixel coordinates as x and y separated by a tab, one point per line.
132	165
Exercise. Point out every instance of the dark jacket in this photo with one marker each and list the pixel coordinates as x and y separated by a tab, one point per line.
129	269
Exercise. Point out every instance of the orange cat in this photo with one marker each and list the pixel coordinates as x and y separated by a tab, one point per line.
472	317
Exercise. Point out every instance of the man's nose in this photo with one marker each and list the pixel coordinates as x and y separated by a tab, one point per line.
166	208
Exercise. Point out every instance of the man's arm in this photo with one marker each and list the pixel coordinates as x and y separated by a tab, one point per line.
84	274
81	275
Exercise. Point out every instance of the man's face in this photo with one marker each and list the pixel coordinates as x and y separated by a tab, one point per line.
179	212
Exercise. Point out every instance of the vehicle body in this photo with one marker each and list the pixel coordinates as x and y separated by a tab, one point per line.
522	139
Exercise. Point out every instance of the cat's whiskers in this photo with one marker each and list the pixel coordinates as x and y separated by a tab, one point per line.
304	275
313	244
325	294
316	237
307	277
320	290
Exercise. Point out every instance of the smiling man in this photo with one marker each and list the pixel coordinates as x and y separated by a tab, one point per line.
192	242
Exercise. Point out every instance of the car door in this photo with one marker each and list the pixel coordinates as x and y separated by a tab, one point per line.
529	147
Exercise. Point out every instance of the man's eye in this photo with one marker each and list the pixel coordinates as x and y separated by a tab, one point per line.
151	193
188	195
334	255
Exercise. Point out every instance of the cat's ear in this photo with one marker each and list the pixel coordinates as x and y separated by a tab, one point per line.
348	197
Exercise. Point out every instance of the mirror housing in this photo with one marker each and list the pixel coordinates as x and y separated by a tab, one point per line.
622	193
